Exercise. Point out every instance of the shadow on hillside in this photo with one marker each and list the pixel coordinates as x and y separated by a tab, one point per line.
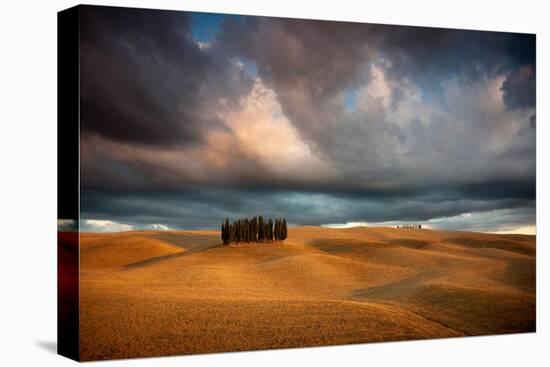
499	244
191	243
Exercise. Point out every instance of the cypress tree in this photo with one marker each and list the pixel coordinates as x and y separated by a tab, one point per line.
250	229
254	229
251	226
225	231
232	232
241	230
261	228
276	231
284	231
270	230
241	221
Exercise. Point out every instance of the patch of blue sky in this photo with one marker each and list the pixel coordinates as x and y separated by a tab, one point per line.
350	99
205	26
250	67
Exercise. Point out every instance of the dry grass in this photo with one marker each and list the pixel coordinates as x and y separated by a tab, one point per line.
156	293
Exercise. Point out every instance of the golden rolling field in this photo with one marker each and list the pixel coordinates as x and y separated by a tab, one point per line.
152	293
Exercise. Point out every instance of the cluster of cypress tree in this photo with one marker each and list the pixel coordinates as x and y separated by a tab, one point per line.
254	230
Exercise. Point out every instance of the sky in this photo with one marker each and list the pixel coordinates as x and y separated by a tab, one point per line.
189	118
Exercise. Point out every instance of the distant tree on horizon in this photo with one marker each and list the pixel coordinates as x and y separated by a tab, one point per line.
261	228
276	229
225	231
254	229
270	230
246	230
232	232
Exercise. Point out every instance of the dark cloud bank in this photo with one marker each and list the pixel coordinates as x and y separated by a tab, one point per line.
395	123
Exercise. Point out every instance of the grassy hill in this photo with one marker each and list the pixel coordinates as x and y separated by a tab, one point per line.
151	293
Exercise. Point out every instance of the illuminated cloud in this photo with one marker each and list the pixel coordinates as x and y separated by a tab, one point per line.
91	225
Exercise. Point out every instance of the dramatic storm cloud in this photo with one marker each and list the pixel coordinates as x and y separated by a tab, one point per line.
188	118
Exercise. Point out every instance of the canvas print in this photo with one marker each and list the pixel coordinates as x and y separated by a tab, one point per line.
233	183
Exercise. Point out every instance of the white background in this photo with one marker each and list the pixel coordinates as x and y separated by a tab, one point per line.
28	206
